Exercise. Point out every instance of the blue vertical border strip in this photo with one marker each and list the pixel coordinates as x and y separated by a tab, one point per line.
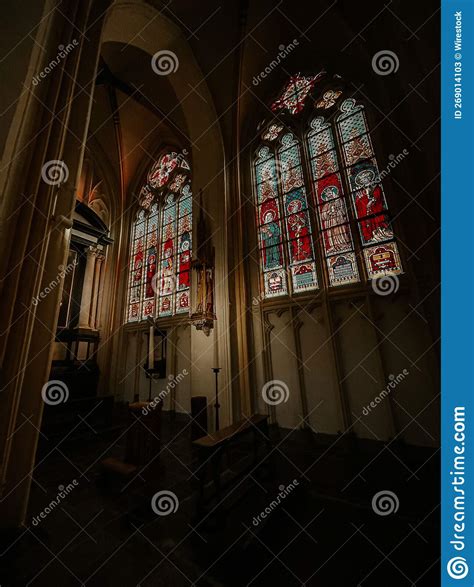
457	260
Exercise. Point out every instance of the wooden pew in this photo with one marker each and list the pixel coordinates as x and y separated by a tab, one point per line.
212	447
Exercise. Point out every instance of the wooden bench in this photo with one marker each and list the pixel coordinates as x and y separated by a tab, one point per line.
212	447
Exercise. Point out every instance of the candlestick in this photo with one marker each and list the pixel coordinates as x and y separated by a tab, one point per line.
217	404
216	345
151	353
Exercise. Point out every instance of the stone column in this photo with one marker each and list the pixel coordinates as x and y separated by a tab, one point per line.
99	290
86	316
42	242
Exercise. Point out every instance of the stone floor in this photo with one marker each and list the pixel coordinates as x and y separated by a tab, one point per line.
324	533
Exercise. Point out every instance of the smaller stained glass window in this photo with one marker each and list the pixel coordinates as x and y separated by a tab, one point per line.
272	132
329	99
161	242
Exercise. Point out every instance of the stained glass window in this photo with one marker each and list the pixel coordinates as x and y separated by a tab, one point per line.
161	242
366	192
329	181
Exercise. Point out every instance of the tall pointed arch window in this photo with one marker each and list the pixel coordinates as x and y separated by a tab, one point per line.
317	184
161	242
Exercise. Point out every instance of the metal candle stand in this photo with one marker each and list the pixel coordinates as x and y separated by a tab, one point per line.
217	405
151	374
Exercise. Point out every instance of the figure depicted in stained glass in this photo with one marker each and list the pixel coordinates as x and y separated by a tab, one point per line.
370	202
167	272
271	236
337	239
376	229
269	206
184	260
298	233
333	213
150	272
329	188
137	271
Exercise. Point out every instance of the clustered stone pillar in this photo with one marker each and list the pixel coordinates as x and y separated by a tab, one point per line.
91	289
97	290
51	127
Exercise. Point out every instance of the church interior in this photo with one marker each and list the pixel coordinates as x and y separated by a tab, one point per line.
220	234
